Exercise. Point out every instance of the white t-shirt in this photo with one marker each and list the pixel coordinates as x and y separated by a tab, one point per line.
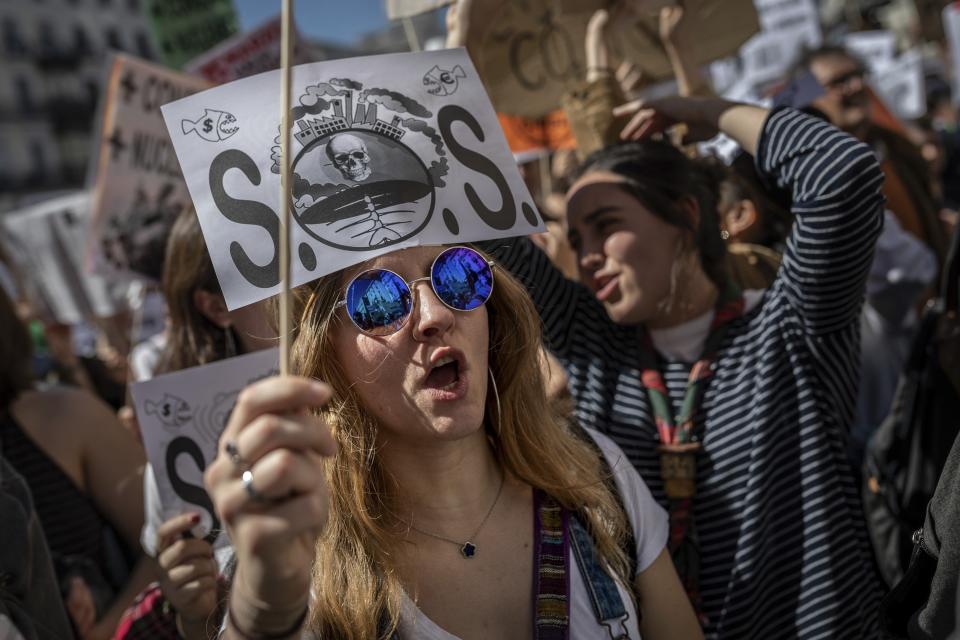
650	528
684	342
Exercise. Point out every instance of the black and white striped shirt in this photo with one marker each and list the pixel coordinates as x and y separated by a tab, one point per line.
783	542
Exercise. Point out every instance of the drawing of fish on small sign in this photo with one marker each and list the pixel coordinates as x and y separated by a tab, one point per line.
171	411
212	126
443	83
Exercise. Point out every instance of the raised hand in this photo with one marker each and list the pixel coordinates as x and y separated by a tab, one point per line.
268	486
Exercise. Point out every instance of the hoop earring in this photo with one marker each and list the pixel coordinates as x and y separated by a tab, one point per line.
496	395
230	345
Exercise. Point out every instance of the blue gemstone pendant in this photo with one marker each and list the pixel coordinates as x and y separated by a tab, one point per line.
468	550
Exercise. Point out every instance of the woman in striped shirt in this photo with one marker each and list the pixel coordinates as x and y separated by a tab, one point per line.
733	406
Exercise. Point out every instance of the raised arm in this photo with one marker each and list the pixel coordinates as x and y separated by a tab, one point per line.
273	517
835	185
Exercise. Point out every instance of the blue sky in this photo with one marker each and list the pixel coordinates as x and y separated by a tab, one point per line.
341	21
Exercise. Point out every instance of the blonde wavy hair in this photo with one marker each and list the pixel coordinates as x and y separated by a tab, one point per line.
355	579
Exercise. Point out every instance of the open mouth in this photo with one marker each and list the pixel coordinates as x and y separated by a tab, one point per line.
444	375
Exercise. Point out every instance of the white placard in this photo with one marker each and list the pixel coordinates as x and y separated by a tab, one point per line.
181	417
138	189
246	54
46	241
877	49
388	152
951	28
901	85
787	28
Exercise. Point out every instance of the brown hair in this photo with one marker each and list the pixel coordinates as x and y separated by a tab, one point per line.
659	176
192	339
356	585
16	351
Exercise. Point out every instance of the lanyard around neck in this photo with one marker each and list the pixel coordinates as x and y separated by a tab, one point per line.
679	429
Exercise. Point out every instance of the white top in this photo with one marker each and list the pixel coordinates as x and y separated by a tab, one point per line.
650	527
684	342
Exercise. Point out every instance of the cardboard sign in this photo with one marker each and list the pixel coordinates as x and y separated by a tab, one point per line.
46	241
530	53
787	28
388	152
184	29
138	189
408	8
901	85
181	417
951	28
246	54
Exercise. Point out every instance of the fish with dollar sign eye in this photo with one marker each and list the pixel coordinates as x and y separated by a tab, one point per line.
212	126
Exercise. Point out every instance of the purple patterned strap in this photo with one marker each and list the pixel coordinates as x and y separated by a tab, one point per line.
550	576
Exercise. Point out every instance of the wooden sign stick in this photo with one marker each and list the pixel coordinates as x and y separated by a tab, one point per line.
286	183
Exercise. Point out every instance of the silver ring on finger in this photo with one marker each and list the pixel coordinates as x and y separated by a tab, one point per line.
247	479
231	449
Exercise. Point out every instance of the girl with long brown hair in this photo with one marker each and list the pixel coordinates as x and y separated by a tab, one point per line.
427	489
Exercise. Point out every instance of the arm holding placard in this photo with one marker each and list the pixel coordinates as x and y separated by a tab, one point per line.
274	526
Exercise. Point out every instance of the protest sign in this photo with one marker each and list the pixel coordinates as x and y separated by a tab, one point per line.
901	85
951	28
138	189
529	135
530	53
246	54
877	49
46	241
184	29
181	417
787	28
389	152
408	8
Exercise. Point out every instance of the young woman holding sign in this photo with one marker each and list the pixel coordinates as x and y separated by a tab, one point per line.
733	406
437	496
200	330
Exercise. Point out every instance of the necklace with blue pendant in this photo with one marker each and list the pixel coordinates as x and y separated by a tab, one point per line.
467	549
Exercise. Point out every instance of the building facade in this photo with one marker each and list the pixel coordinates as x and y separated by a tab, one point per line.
51	73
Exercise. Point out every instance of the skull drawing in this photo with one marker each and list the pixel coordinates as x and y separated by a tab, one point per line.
349	155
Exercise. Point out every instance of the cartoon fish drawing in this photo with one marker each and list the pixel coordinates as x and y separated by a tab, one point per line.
171	410
443	83
212	126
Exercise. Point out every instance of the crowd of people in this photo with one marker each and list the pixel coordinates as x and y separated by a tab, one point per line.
676	414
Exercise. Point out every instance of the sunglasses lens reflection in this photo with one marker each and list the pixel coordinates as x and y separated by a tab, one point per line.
378	302
462	278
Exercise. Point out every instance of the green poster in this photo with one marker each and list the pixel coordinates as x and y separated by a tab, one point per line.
184	29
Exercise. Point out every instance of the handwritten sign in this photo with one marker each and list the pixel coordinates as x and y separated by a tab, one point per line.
877	49
186	28
138	189
181	417
46	241
901	85
246	54
530	53
787	28
388	152
409	8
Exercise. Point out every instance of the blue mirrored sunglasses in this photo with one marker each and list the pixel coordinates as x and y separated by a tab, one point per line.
379	301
